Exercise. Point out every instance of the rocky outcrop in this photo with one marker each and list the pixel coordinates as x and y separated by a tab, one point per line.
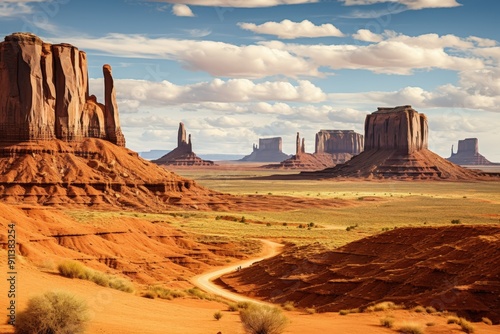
396	142
302	160
342	145
468	153
45	94
183	154
400	129
269	150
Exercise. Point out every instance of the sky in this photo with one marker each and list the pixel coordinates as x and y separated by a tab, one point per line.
235	71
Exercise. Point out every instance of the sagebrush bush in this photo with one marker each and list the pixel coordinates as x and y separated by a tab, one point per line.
53	313
263	319
218	315
387	322
288	306
383	306
466	326
418	309
411	328
74	269
452	320
310	310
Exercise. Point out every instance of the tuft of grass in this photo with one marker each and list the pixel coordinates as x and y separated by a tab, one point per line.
263	319
452	320
288	306
382	306
344	312
232	307
487	321
418	309
310	310
411	328
218	315
53	312
75	269
456	221
243	305
387	322
430	324
466	326
150	295
430	310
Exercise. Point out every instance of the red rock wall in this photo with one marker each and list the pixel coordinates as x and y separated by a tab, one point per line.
469	145
402	129
271	144
339	141
44	94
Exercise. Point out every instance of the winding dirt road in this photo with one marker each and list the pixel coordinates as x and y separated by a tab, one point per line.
204	281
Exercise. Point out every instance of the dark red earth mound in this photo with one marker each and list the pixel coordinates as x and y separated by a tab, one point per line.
450	268
305	161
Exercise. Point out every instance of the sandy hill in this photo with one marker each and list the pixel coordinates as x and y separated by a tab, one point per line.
450	268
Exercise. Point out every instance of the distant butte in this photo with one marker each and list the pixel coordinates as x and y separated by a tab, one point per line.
468	154
269	150
341	145
396	147
183	154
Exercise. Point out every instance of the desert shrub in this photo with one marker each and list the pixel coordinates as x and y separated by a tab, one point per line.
288	306
268	224
418	309
456	221
74	269
99	279
263	319
120	284
466	326
382	306
218	315
430	324
344	312
430	310
487	321
452	320
232	307
310	310
150	295
53	312
411	328
243	305
387	322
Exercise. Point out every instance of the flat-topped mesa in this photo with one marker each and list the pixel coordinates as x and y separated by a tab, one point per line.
468	153
339	141
268	150
45	94
401	129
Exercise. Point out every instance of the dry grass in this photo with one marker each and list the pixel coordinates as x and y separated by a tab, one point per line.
411	328
383	306
466	326
263	319
387	322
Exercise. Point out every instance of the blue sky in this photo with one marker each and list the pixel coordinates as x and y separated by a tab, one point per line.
237	70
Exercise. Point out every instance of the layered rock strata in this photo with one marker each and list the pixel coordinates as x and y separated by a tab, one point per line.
341	145
45	94
269	150
468	153
396	141
183	154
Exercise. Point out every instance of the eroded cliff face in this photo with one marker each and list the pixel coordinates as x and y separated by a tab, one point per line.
468	153
339	141
401	129
44	94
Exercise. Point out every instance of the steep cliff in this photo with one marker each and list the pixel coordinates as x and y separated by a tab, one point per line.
45	94
339	141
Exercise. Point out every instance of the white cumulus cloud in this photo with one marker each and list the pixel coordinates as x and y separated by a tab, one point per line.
238	3
182	10
411	4
287	29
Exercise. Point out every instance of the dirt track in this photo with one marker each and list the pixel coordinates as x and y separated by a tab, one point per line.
205	281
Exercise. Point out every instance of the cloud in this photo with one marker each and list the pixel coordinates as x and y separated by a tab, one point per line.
227	122
182	10
366	35
260	61
139	93
13	8
411	4
287	29
238	3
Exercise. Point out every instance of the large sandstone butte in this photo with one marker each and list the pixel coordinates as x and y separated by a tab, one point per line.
59	146
269	150
302	160
45	94
454	268
342	145
468	153
183	154
396	141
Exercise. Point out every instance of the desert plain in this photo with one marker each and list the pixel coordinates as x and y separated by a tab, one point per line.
169	248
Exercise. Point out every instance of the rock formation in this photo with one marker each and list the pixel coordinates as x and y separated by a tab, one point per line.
468	153
396	141
183	154
45	94
342	145
453	268
269	150
302	160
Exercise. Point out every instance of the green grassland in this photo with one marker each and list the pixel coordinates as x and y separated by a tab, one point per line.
370	207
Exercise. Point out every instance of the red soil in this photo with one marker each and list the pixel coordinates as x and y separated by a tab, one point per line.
450	268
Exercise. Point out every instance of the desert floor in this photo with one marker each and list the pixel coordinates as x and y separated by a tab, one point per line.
368	206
